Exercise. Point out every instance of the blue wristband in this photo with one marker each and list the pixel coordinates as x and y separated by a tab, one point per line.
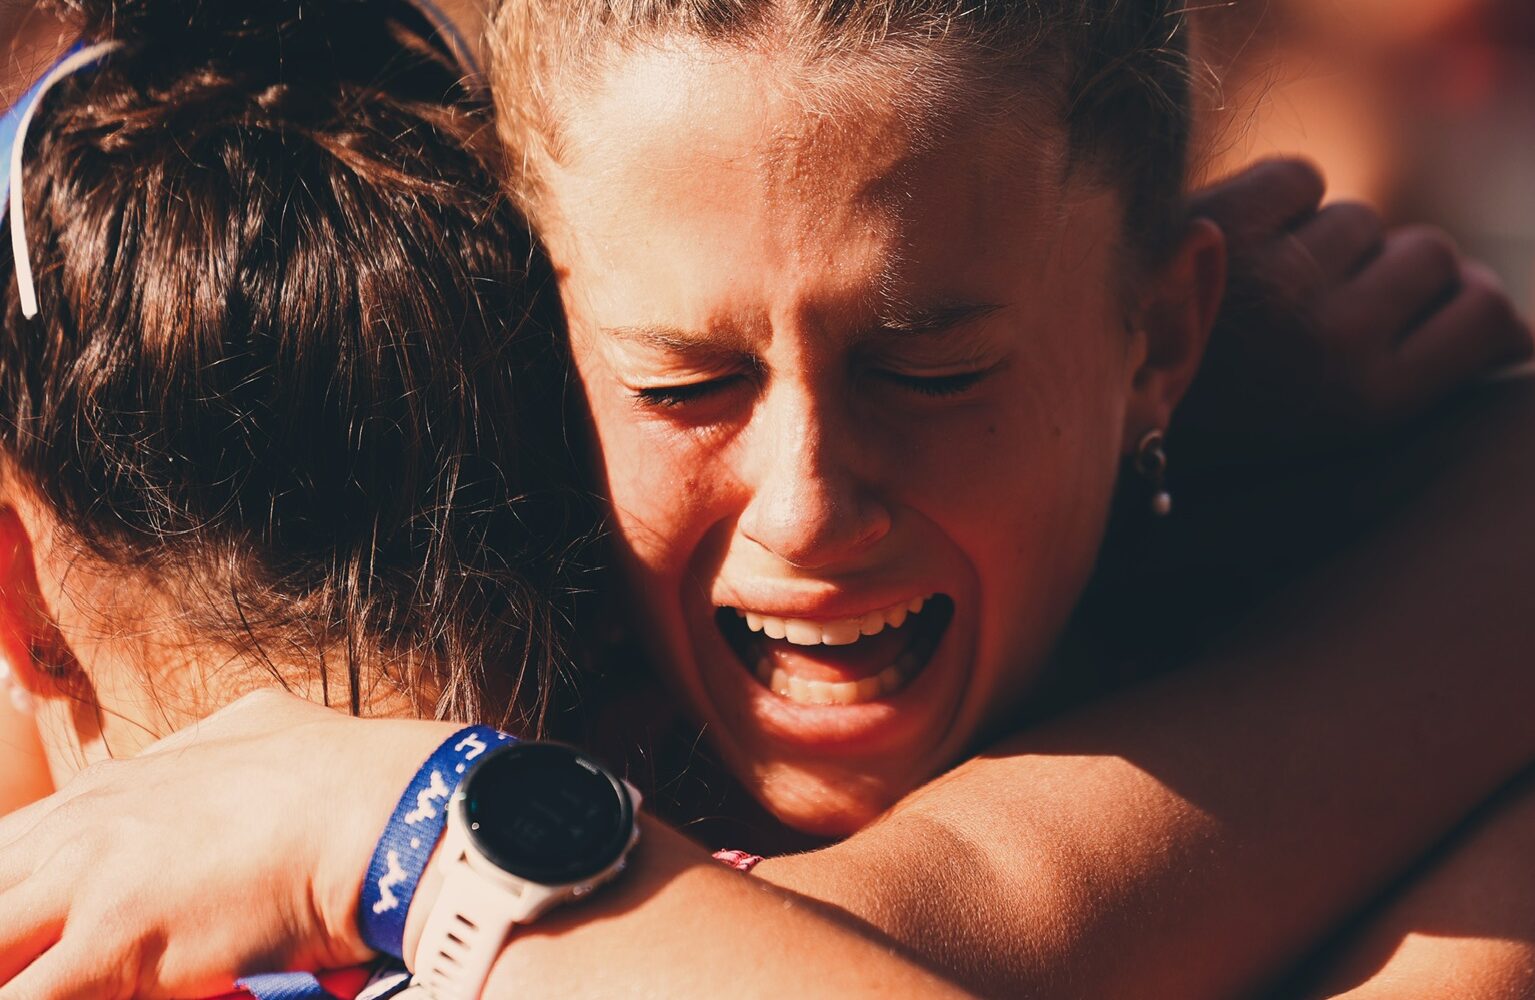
284	986
412	835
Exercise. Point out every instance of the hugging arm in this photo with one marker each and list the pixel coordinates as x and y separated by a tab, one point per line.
679	924
1465	927
288	796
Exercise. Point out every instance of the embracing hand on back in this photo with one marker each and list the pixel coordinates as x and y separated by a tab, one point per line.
1334	326
168	874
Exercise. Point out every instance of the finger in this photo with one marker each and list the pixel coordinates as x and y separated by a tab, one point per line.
1415	273
65	973
1269	197
33	921
1342	238
1477	331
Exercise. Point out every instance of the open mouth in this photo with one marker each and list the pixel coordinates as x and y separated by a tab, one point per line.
847	661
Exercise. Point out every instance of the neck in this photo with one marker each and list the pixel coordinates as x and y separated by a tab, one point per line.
112	704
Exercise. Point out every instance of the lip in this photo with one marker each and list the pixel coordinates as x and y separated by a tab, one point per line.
817	606
916	718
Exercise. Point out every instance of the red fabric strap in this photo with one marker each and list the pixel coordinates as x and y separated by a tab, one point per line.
739	860
344	984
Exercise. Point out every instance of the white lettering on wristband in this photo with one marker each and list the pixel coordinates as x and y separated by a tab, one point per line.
387	900
438	789
473	744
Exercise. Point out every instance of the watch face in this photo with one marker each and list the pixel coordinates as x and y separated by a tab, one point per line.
547	813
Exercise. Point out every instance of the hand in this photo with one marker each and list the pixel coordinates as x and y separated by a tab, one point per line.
170	874
1333	327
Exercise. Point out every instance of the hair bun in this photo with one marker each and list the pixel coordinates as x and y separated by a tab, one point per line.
230	22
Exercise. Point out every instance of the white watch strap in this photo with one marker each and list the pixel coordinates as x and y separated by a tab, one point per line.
465	932
476	910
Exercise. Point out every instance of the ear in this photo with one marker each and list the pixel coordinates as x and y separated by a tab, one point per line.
1173	319
29	638
25	778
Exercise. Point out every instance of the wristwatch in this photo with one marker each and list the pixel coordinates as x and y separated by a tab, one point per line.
532	825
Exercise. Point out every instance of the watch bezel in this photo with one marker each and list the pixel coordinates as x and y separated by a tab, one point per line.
612	851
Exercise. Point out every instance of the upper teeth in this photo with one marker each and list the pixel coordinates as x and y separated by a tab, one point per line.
844	632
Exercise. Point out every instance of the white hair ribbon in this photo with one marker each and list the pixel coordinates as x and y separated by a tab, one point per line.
89	56
83	59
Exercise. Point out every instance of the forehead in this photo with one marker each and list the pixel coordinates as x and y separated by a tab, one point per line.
755	171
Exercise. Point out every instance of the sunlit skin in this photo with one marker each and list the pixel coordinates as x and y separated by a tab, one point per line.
837	360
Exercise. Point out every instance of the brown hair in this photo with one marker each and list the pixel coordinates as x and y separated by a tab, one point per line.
291	357
1118	70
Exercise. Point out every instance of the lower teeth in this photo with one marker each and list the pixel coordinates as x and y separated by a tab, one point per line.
803	692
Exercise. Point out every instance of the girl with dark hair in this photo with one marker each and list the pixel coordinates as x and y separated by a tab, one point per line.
239	365
276	401
870	302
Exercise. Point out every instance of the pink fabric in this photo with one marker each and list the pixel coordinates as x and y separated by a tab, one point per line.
739	860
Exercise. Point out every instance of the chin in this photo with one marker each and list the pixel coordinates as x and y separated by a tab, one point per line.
821	804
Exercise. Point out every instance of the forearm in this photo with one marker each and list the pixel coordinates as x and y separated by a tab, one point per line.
1431	966
1191	837
678	924
1465	927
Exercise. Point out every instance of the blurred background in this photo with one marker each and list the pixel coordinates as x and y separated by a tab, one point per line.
1426	108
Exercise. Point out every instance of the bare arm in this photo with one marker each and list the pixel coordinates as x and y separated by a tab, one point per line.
1465	928
682	925
678	924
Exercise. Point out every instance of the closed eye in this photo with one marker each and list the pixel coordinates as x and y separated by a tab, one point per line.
667	397
937	385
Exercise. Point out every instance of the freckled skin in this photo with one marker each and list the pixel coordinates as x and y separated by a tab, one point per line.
778	240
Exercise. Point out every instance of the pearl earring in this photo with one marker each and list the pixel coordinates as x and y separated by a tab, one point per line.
1151	465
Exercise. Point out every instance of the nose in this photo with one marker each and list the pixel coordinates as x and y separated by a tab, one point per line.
811	504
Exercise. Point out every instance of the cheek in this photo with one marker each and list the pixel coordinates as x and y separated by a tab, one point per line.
1038	456
665	486
1026	493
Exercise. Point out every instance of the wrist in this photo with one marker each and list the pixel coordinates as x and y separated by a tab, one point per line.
531	826
378	759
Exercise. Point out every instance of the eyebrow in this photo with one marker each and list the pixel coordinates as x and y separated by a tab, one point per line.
935	319
898	319
675	338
